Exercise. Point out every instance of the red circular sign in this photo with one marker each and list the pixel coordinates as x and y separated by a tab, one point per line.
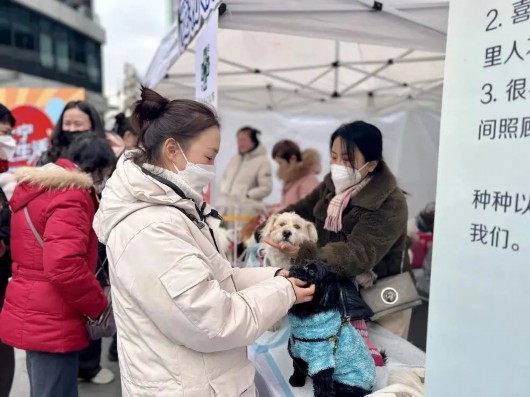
32	133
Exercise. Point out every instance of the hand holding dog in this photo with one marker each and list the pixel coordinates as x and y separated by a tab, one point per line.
303	293
283	273
284	247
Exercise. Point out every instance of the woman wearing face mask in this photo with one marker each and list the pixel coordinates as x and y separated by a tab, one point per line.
77	118
54	289
360	214
184	315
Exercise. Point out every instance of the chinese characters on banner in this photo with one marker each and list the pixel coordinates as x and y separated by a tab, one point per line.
36	111
516	15
481	265
507	51
206	70
192	14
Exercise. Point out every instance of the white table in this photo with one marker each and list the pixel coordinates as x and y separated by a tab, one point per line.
274	365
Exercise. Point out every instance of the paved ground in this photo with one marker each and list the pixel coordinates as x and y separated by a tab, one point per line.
21	385
418	336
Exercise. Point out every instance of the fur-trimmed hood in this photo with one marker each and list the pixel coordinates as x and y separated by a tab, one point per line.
53	176
310	159
33	181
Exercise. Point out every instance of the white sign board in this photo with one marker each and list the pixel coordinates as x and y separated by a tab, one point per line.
206	61
191	16
479	322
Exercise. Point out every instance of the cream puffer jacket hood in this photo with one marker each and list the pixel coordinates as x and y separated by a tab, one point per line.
184	315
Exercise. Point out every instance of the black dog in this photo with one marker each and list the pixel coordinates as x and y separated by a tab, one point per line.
323	343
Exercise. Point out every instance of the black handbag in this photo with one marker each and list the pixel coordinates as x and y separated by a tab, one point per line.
391	295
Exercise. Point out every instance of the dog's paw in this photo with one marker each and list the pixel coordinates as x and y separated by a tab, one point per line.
297	381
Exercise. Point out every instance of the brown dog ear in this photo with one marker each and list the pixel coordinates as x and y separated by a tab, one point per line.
269	226
312	232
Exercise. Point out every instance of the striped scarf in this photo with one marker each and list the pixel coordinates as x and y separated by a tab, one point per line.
339	203
362	329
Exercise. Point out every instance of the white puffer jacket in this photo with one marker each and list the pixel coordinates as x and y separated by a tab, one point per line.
184	315
248	176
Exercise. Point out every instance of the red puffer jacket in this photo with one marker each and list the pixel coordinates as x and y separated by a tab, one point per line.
53	287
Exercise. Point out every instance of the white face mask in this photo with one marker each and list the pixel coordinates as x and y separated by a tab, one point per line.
7	147
197	176
344	177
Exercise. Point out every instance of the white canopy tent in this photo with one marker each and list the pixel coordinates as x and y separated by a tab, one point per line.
302	67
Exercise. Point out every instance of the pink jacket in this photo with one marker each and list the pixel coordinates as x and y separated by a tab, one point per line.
299	181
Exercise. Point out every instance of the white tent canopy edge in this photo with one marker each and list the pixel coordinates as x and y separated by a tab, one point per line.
390	67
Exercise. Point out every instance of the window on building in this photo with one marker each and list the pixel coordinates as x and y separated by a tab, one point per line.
5	25
62	51
77	54
46	45
24	29
93	61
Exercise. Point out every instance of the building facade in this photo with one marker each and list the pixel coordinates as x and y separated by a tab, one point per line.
51	43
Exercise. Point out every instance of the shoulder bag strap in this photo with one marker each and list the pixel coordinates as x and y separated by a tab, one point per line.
178	191
32	227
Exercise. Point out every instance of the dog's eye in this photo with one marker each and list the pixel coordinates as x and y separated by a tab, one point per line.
297	226
282	224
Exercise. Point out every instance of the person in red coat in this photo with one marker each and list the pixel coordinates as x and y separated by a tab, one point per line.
7	148
53	288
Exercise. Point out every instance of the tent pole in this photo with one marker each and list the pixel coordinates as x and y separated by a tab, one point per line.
375	72
399	98
264	73
398	84
307	85
286	8
336	65
408	60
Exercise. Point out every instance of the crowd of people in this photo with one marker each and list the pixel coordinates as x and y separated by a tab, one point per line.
129	201
249	173
53	286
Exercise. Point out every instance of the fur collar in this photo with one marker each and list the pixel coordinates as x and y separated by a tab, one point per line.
301	169
54	176
374	194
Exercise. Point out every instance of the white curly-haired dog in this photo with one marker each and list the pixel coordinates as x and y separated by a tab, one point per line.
287	227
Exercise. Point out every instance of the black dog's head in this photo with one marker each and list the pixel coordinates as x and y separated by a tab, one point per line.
327	288
332	291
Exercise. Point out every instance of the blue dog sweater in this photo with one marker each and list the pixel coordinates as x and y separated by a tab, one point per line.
324	342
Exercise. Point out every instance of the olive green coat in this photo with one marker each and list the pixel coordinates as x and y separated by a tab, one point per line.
374	227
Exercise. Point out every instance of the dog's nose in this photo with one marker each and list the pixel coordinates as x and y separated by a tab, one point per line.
286	234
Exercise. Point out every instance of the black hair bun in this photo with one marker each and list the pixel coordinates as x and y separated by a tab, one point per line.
151	106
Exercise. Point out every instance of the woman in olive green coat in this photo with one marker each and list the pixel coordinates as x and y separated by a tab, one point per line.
360	214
